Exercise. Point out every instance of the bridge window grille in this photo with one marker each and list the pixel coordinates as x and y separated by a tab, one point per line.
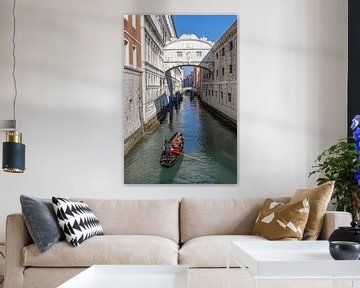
179	54
229	97
198	53
223	51
230	68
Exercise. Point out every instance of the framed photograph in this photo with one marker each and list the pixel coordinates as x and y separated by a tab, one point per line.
180	99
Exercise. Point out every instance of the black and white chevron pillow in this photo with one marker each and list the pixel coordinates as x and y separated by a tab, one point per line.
77	220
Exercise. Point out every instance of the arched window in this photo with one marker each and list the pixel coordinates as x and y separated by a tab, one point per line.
134	21
126	52
134	56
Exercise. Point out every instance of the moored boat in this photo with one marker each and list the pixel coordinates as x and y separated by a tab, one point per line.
170	157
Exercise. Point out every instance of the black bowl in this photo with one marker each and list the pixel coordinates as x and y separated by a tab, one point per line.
344	250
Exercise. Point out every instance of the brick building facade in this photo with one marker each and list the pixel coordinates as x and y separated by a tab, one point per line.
219	88
146	90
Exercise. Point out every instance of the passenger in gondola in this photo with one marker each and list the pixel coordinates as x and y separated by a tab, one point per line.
179	136
167	147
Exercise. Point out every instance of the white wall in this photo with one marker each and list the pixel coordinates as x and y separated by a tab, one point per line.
293	63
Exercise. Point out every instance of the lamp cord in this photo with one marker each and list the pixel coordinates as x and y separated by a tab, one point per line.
14	61
2	280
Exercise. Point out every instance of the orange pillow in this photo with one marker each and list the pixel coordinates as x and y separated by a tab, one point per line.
319	198
279	221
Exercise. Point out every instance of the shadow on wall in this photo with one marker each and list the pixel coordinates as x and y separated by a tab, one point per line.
140	6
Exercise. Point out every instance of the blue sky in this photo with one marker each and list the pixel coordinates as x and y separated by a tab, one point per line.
210	26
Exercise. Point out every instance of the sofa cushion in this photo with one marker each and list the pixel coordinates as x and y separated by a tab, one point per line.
319	198
41	221
107	249
279	221
77	220
158	217
201	217
211	251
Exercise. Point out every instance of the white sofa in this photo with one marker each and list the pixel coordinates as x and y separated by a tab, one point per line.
194	232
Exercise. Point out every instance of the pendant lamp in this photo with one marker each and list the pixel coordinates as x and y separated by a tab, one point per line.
13	160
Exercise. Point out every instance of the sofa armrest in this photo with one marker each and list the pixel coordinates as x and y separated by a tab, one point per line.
333	220
17	237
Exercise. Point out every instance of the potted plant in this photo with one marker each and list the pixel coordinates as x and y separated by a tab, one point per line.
341	163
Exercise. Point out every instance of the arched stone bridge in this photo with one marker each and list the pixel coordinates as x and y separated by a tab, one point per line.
189	50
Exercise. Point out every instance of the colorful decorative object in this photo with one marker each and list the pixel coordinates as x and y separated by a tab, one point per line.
180	75
355	126
341	163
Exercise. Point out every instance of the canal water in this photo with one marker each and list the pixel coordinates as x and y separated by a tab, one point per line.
210	150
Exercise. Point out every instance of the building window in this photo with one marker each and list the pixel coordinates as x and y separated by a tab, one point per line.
217	72
126	53
212	92
217	55
134	56
134	21
198	53
230	68
223	71
126	17
221	95
223	51
179	54
231	45
229	97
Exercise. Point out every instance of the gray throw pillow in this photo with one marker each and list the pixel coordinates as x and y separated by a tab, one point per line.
41	221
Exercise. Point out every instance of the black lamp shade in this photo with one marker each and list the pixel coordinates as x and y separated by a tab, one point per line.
13	157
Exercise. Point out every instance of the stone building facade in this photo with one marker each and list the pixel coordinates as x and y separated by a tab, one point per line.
132	80
177	76
218	90
158	29
146	90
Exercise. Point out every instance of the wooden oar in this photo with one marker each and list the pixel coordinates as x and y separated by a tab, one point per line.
190	156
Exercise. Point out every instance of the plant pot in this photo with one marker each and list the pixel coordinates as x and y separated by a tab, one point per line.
351	233
344	250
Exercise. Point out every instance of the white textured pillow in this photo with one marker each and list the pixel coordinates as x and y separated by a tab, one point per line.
77	220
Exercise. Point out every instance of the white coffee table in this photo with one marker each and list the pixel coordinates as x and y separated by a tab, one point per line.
285	260
131	276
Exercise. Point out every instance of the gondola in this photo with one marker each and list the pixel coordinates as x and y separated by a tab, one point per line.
177	145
